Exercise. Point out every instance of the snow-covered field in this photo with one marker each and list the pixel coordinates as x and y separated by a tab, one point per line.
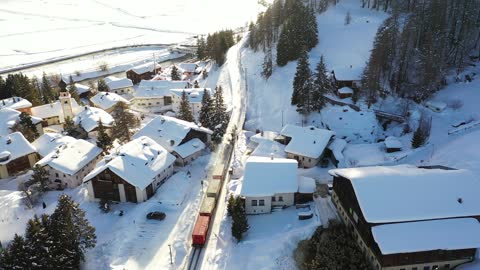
35	31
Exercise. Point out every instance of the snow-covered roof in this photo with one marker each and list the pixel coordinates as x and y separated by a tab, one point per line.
306	185
439	105
117	83
393	142
348	73
187	67
189	148
14	145
137	162
106	100
444	234
336	146
81	88
15	103
160	88
194	95
432	193
168	131
265	176
9	117
54	110
49	142
144	68
89	117
345	90
267	148
306	141
265	135
72	157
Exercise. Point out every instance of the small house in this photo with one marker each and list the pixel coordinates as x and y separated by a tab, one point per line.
83	91
335	152
347	76
89	118
345	92
269	182
185	140
405	217
10	117
107	101
56	112
305	144
68	163
194	96
393	144
436	106
16	155
132	173
189	69
155	96
16	103
143	72
119	85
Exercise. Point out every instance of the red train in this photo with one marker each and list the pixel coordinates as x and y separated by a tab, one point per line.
209	203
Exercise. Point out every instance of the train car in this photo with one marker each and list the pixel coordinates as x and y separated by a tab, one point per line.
214	187
208	206
200	231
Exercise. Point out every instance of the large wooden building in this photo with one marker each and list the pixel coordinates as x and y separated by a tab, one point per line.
16	155
133	174
143	72
409	218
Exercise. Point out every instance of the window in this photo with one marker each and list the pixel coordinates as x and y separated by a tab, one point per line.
446	266
280	198
261	202
402	268
414	268
273	198
254	202
56	174
66	102
426	268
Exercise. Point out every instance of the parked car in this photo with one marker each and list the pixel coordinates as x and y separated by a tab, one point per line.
156	215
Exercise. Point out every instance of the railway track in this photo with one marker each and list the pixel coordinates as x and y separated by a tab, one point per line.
194	258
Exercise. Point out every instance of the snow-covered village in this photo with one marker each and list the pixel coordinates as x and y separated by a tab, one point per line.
240	135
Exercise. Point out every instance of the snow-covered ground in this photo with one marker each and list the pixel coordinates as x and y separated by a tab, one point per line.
341	45
34	31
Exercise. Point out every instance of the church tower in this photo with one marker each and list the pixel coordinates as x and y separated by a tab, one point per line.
66	101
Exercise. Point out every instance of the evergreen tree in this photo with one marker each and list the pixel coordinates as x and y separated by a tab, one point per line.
70	128
185	112
204	117
74	91
239	220
16	255
36	86
103	140
47	90
71	234
124	121
219	116
201	48
175	74
230	205
283	49
102	86
38	241
302	85
417	139
3	90
267	64
26	127
321	86
39	179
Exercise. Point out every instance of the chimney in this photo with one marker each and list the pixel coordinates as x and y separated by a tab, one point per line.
271	156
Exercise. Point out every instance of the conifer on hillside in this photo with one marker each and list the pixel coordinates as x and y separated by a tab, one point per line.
185	112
